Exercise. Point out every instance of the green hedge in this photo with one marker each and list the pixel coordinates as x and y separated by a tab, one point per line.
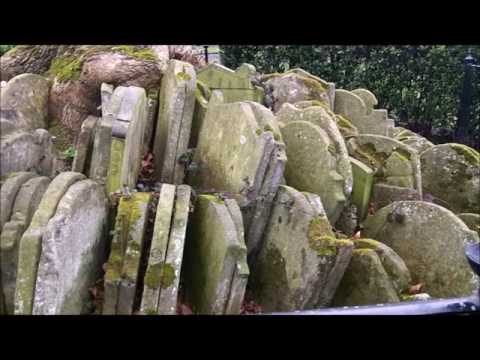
417	84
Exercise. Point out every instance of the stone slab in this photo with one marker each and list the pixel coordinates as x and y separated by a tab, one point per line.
100	154
8	193
83	147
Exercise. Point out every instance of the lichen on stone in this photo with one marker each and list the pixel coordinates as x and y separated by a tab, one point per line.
470	155
135	52
66	68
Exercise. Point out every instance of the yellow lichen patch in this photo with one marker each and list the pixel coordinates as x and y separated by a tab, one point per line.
214	198
138	53
319	226
66	68
471	155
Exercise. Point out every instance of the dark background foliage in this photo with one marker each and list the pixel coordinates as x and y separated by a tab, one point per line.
419	85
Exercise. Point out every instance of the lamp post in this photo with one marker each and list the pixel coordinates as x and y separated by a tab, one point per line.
466	99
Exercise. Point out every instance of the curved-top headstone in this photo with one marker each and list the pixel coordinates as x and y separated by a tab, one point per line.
8	193
451	173
394	163
301	262
312	165
357	106
234	85
71	259
431	240
27	95
26	202
31	242
177	102
27	151
297	85
420	144
319	116
471	220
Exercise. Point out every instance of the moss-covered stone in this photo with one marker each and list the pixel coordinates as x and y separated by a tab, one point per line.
138	53
471	155
66	68
64	137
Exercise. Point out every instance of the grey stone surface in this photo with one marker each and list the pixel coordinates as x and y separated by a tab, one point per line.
27	95
420	144
84	145
362	187
26	202
8	193
215	258
126	248
202	96
312	165
301	263
30	247
384	195
27	151
451	173
72	251
357	107
430	239
158	250
177	102
170	279
152	114
100	153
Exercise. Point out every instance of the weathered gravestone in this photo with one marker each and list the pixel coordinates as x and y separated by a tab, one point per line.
430	239
128	105
216	270
152	114
202	96
30	247
234	85
301	263
8	193
451	173
394	163
72	251
384	194
27	96
26	203
313	165
83	147
172	135
297	85
100	153
362	187
420	144
357	107
27	151
240	152
375	275
122	269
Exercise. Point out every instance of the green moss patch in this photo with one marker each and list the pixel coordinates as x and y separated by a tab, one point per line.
211	197
137	53
183	76
66	68
471	155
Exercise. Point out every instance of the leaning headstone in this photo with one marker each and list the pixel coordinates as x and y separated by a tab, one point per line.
100	153
301	263
430	239
384	194
357	107
27	151
8	193
365	282
215	257
30	246
27	96
297	85
471	220
156	268
152	114
125	253
202	96
451	173
234	85
393	162
83	147
420	144
312	166
71	259
172	135
362	187
170	277
26	203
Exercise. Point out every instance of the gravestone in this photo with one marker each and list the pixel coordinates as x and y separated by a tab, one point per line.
27	96
420	144
202	96
100	153
301	263
430	239
451	173
216	270
238	153
384	194
471	220
26	202
71	260
123	264
234	85
362	187
312	166
152	114
83	147
357	107
8	193
172	135
30	246
27	151
394	163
